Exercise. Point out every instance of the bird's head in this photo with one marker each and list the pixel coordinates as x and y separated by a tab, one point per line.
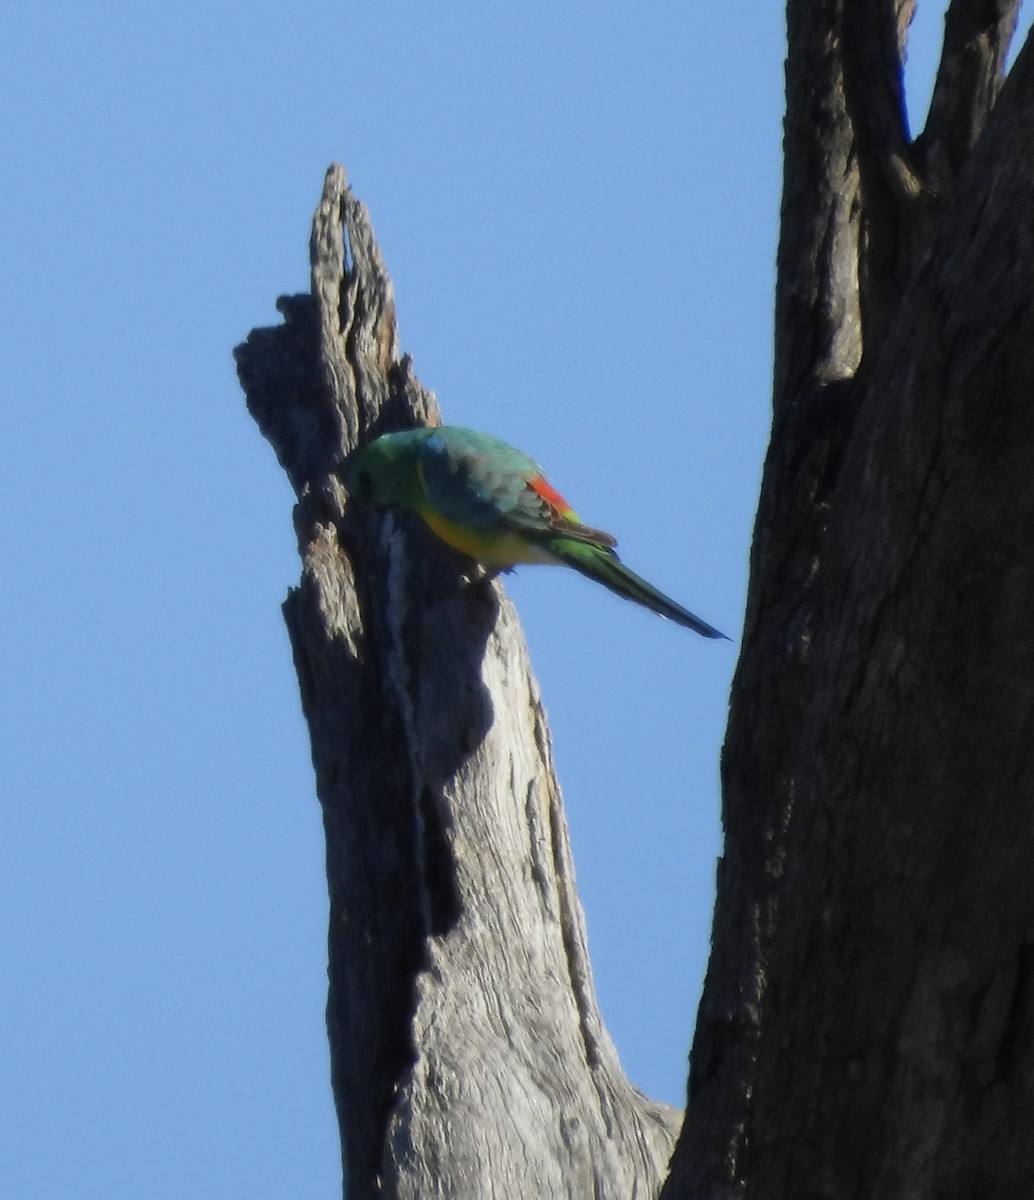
383	472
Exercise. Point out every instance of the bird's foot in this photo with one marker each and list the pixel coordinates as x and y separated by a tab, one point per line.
483	576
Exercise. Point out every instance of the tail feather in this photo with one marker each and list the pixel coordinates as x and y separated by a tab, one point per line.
605	567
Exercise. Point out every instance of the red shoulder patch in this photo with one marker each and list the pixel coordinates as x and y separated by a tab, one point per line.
551	496
564	519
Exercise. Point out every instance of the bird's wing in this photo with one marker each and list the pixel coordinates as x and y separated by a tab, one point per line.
483	483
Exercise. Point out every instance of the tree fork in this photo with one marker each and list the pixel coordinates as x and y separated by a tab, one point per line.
867	1025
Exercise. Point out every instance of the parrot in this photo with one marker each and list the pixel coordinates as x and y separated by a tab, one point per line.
491	502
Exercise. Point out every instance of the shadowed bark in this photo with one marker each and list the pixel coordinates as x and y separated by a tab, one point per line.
867	1024
468	1054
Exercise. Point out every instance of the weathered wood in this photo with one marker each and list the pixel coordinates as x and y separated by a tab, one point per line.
867	1025
976	41
468	1054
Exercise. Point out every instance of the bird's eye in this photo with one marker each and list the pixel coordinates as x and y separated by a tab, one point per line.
361	485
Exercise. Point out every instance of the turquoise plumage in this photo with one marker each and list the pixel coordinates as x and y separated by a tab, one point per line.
492	502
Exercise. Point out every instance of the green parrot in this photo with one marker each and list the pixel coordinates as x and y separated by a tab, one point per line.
491	502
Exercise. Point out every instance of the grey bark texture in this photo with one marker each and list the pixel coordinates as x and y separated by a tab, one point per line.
468	1054
867	1024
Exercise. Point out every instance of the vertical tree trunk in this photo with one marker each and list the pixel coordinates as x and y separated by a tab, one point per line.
867	1025
468	1054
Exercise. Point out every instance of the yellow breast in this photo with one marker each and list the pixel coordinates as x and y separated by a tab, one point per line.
492	549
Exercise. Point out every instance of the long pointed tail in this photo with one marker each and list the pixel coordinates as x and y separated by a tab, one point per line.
605	567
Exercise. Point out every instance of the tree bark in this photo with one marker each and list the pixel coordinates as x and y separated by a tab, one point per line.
867	1024
468	1055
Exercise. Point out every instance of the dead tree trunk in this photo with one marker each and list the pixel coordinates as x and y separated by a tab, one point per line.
867	1026
468	1055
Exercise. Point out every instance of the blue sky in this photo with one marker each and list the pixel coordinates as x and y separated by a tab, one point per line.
578	207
